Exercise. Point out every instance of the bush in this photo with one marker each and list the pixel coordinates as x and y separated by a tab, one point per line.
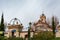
15	38
43	36
2	38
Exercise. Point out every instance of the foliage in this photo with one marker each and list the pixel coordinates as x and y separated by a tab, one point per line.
29	34
3	38
29	31
53	26
2	25
43	36
15	38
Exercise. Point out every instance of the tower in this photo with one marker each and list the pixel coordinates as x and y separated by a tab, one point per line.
43	18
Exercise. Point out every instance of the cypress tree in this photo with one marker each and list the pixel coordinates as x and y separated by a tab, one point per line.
2	25
29	31
53	26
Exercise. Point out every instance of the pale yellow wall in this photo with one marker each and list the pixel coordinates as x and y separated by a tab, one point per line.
23	34
58	34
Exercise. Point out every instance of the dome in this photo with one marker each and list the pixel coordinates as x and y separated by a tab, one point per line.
15	21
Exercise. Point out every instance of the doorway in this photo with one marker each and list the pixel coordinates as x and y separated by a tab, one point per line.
13	32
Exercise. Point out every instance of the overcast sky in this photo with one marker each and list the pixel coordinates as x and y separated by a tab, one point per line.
28	10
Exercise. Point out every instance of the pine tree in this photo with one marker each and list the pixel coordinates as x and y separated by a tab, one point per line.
53	26
2	25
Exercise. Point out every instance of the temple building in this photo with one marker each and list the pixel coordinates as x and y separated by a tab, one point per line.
42	25
15	28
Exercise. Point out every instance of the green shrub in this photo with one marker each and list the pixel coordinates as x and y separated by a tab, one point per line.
15	38
43	36
2	38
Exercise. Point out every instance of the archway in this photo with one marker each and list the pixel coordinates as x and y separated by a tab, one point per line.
13	32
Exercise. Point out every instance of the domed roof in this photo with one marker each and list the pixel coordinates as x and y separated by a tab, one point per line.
15	21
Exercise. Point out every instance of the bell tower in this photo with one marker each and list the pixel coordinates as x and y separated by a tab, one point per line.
43	18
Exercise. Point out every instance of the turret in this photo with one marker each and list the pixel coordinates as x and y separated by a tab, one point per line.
43	18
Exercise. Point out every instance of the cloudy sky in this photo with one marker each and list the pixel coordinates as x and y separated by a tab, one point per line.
29	10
